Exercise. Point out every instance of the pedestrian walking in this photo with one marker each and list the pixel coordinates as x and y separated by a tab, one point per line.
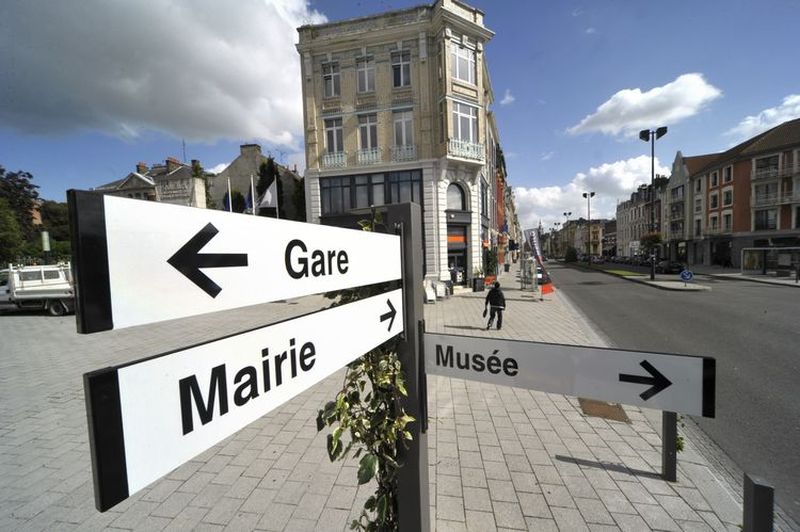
496	302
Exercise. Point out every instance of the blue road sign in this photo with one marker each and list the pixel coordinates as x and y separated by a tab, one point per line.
686	275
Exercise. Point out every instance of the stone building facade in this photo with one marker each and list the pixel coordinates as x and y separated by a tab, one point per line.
395	110
172	182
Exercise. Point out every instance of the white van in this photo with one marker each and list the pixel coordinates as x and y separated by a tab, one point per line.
47	287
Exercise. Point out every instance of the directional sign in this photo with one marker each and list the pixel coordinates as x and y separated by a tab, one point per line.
149	417
686	275
677	383
140	262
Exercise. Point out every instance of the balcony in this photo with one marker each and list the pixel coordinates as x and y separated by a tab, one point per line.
404	153
765	200
465	150
765	173
369	156
334	160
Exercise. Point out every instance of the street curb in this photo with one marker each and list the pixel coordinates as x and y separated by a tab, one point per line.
724	277
699	288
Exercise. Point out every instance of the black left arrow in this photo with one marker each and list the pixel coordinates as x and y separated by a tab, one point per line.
389	315
188	260
657	381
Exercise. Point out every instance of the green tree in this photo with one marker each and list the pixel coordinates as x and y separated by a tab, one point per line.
267	173
239	204
199	173
55	219
650	241
11	239
16	188
299	199
571	255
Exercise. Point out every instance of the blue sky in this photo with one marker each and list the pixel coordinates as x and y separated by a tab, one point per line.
86	93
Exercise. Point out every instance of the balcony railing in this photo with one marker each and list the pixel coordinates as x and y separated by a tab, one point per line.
765	173
334	160
369	156
404	153
765	199
465	150
788	170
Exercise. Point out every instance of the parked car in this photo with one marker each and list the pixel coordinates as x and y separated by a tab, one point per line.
669	266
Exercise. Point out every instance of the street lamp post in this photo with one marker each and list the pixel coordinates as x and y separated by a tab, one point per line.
650	136
588	196
566	232
556	225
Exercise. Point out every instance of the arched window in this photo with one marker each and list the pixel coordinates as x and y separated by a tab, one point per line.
455	198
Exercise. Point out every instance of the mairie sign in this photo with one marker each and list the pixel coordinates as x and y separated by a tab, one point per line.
139	262
148	417
676	383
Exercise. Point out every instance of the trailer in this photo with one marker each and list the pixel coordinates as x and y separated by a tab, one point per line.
46	287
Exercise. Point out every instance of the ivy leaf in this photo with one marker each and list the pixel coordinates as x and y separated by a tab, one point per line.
320	421
370	504
333	446
383	507
368	468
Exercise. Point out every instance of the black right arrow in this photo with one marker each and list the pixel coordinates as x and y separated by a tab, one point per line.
657	381
188	260
389	315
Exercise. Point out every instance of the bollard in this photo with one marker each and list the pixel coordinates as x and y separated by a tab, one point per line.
758	505
669	446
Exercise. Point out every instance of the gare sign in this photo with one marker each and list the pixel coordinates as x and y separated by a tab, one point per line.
140	262
148	417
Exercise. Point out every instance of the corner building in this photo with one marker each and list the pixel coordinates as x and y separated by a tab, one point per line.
395	110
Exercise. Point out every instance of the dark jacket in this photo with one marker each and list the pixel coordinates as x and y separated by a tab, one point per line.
496	298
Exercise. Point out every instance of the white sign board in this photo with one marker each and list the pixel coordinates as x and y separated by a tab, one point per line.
677	383
174	406
141	262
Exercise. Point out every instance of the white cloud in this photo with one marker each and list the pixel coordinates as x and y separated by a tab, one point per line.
589	31
200	70
507	98
631	110
610	182
546	156
218	168
751	126
577	12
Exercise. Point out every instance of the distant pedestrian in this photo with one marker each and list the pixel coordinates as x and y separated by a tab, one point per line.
496	302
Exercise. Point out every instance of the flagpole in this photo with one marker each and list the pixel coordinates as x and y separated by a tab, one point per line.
277	197
252	196
230	199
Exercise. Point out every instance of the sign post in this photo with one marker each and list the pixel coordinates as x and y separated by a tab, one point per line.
148	417
677	383
140	262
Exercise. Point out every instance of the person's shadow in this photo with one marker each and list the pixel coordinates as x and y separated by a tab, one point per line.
466	327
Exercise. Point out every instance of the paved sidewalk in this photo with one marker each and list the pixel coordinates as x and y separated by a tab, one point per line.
500	457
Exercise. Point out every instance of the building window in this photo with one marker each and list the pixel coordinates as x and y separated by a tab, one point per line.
765	220
340	194
714	201
455	198
698	227
714	179
401	68
403	128
365	74
465	122
463	63
727	174
698	185
714	223
676	194
368	131
727	223
330	79
333	135
767	166
484	199
443	120
698	205
727	197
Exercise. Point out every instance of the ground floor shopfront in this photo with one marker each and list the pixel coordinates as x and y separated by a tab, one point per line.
738	251
454	197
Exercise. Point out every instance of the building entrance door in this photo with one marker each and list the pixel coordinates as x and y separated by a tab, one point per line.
457	264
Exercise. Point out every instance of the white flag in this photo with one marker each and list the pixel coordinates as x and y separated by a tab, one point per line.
270	198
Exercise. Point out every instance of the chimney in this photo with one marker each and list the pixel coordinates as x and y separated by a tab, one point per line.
250	148
141	167
295	168
172	164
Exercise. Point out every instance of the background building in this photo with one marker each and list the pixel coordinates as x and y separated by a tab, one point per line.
396	110
172	182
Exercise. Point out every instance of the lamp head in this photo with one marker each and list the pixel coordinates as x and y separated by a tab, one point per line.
660	132
645	135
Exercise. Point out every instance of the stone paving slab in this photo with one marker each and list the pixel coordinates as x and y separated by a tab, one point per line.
500	458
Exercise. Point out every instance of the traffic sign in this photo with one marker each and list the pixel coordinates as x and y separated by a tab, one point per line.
148	417
141	262
687	276
678	383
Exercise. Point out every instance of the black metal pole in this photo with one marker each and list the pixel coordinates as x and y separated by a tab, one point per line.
589	230
669	446
652	204
412	483
759	509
